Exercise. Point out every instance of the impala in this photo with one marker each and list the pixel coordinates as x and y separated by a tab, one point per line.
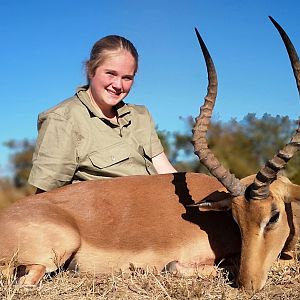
178	222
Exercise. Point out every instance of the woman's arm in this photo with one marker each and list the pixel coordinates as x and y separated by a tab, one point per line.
162	164
54	159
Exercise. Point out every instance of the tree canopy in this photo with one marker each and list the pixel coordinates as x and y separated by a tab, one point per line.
243	147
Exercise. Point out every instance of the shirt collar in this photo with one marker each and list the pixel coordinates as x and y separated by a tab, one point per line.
122	108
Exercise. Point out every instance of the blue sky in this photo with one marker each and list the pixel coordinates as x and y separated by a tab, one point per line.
44	45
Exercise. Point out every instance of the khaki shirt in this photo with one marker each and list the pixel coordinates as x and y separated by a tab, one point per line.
75	143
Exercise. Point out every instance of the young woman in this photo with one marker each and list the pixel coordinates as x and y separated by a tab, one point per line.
94	134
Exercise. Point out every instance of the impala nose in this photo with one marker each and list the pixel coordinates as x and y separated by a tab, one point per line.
251	285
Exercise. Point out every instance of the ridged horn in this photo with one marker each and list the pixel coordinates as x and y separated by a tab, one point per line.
207	158
260	188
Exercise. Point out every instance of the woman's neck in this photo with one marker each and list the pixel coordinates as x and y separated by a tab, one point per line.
108	113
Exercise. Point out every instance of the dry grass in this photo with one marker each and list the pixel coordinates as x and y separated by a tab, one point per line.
283	283
9	194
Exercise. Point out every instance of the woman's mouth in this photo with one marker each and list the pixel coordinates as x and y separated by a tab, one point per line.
114	93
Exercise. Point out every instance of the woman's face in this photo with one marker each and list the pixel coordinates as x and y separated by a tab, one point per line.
113	79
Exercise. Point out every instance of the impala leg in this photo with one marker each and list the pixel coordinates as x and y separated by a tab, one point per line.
287	255
286	259
30	275
176	267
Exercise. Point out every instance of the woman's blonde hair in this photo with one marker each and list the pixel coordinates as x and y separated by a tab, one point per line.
103	48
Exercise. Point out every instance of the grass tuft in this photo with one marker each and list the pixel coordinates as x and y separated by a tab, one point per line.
283	283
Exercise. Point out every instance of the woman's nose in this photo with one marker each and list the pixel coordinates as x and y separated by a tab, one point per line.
117	83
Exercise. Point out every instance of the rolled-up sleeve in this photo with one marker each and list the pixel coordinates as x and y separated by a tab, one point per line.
154	147
54	159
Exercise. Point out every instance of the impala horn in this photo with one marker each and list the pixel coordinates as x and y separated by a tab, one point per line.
207	158
260	188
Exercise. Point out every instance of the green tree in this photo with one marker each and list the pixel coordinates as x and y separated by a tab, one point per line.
242	147
21	160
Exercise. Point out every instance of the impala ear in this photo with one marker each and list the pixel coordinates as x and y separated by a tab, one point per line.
295	192
286	190
218	201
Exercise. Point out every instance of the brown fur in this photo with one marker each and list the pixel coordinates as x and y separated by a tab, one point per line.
264	237
145	220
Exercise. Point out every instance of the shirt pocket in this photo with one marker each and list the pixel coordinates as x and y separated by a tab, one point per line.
109	156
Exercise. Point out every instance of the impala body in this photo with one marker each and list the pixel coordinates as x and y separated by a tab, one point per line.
109	223
178	222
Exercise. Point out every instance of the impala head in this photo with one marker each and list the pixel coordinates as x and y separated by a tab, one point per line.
260	203
265	226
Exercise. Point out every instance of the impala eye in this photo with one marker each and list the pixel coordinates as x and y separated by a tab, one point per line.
273	219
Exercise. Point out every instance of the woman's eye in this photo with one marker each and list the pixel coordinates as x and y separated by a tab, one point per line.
110	72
